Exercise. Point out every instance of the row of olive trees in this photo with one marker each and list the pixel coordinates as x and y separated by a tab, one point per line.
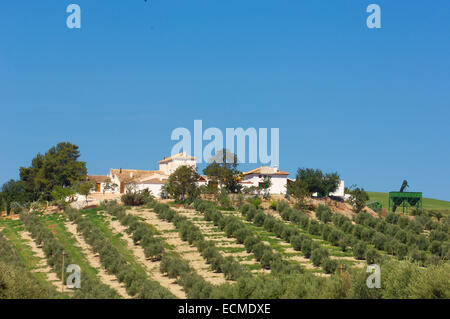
342	233
171	263
136	284
438	230
291	234
234	227
16	281
53	249
306	285
368	231
191	233
396	229
141	232
399	279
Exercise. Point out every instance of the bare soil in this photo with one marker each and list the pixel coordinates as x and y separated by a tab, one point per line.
220	238
188	252
42	266
152	267
94	261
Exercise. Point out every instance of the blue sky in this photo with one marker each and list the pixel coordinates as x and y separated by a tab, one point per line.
373	105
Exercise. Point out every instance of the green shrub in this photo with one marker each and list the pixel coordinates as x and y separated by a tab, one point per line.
379	241
259	219
438	235
273	205
250	242
359	250
329	265
372	256
418	256
286	214
173	266
269	223
401	250
266	259
435	248
323	213
255	201
318	256
307	246
314	227
242	234
136	198
296	242
282	205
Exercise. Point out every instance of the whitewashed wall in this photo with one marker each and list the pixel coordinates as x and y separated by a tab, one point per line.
154	188
170	167
340	190
279	183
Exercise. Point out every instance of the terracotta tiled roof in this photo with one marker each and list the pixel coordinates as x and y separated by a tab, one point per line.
155	181
266	170
179	155
97	178
132	175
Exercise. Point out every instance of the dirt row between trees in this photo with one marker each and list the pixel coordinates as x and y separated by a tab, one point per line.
42	266
221	240
190	253
357	263
286	248
152	267
94	261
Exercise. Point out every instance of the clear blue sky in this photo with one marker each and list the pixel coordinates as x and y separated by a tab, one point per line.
373	105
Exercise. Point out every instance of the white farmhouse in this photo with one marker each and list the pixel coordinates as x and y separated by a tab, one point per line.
340	190
256	178
151	180
126	178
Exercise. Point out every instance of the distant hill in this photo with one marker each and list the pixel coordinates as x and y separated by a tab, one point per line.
428	203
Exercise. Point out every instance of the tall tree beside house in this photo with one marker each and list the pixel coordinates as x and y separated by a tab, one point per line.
330	183
358	198
12	192
309	181
298	190
61	194
223	170
58	167
182	184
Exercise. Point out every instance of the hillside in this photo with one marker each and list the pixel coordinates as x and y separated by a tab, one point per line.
428	203
168	250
